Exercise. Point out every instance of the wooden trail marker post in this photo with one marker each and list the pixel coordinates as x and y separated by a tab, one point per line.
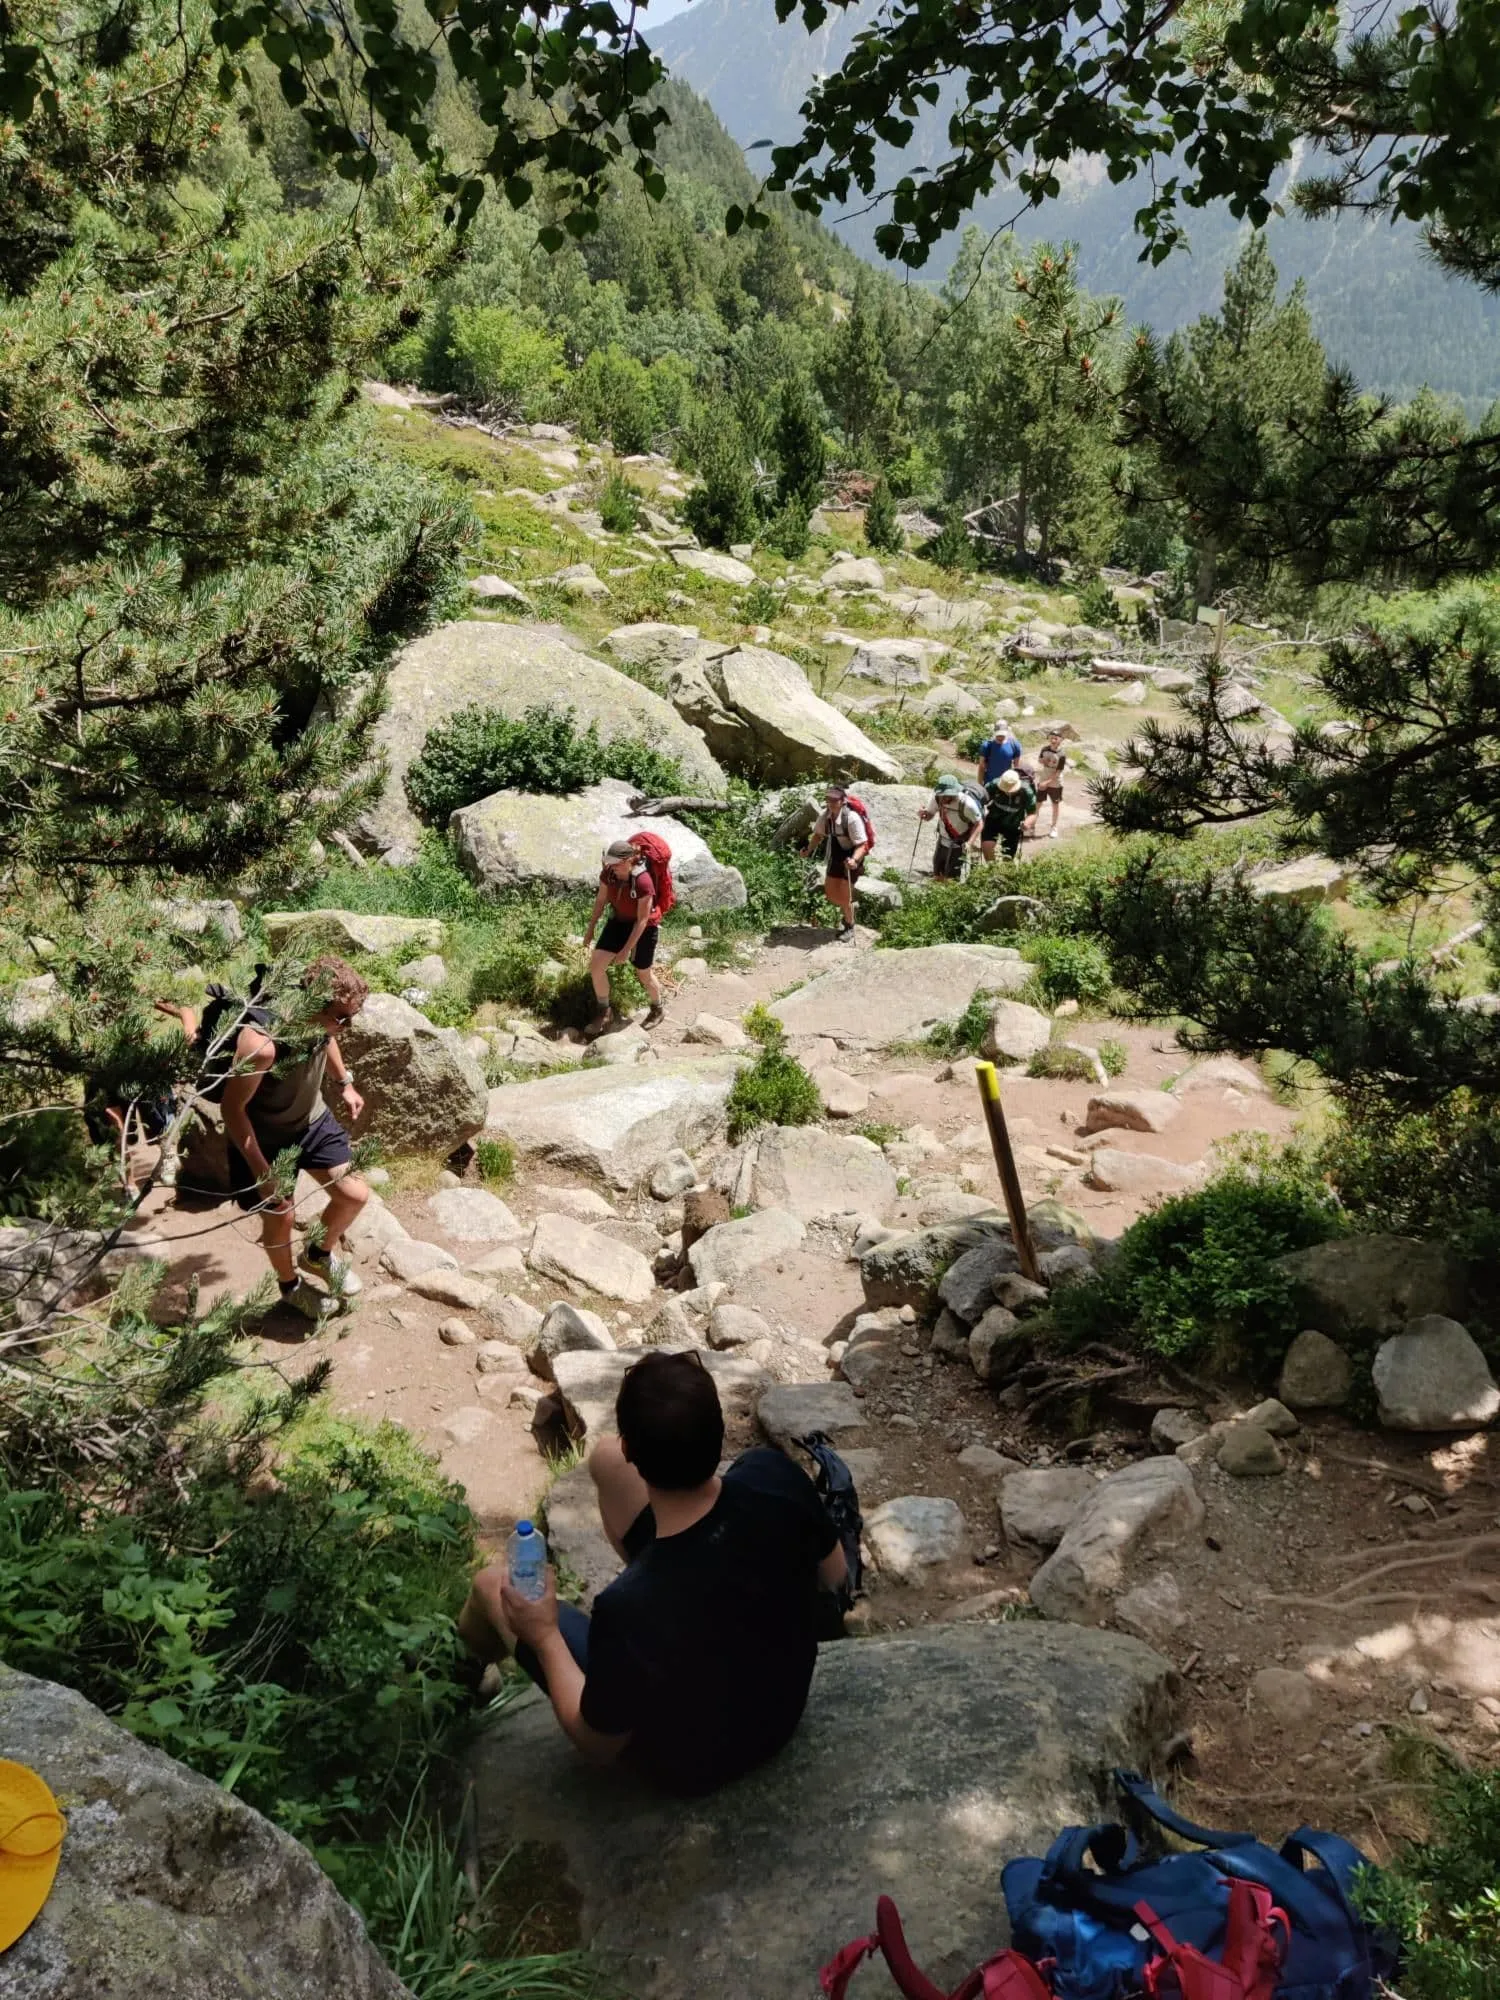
1005	1166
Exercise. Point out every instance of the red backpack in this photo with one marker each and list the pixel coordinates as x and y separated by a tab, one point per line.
859	806
658	858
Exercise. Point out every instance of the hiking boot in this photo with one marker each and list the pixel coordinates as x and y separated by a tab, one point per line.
1052	833
846	934
599	1023
655	1017
309	1301
337	1273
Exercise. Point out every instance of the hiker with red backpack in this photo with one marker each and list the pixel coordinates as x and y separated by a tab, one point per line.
846	827
635	886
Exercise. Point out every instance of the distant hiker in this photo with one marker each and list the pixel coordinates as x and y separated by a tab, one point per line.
696	1663
960	815
631	888
1011	802
273	1103
1051	762
126	1124
845	826
999	752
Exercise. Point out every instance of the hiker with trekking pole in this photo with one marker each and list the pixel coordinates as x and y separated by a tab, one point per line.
849	833
635	886
959	812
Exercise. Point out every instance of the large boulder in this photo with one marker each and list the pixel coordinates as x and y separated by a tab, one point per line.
874	998
588	1381
617	1123
908	1270
1131	1111
651	646
923	1763
760	716
349	933
1152	1504
512	667
1312	878
1432	1377
573	1252
518	839
1016	1032
905	662
1374	1284
813	1172
714	563
1114	1171
169	1887
731	1250
1040	1504
423	1091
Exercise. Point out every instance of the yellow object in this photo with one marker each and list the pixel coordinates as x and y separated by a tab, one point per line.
989	1081
31	1838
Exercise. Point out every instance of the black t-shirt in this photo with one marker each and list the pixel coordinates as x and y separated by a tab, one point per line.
704	1648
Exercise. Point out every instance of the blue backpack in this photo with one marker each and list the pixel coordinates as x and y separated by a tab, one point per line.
1076	1912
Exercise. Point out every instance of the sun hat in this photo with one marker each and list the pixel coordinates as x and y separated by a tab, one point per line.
31	1838
1009	781
946	787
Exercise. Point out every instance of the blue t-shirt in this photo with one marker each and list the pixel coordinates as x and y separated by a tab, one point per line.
999	753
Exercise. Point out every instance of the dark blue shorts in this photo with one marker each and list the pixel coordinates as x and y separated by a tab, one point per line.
573	1623
325	1145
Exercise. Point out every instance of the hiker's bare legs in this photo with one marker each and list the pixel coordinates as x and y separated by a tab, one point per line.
840	892
646	974
621	1490
481	1623
599	964
347	1195
276	1238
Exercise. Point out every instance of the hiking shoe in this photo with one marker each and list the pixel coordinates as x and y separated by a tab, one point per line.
655	1017
309	1301
846	934
1052	833
597	1026
337	1273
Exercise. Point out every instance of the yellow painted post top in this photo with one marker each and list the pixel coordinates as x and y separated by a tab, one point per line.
989	1081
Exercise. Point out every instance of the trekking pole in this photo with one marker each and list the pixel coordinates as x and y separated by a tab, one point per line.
911	866
1005	1166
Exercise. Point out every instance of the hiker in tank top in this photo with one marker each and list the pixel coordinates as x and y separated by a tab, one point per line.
848	842
958	823
273	1103
628	891
1051	762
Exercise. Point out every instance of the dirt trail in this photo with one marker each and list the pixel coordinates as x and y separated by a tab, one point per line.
1274	1578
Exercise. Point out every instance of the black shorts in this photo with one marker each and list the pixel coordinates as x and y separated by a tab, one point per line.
616	935
840	866
948	861
997	828
324	1145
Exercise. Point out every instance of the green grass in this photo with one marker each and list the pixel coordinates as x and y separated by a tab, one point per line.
495	1159
878	1131
965	1036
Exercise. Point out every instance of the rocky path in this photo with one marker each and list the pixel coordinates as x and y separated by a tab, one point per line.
1312	1611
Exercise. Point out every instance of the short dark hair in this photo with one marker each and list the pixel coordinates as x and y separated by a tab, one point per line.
670	1421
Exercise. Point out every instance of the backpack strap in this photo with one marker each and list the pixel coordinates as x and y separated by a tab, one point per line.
1154	1806
1339	1860
1112	1849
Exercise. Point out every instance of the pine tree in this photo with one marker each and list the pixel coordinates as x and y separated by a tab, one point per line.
882	529
857	383
801	455
951	548
204	563
721	510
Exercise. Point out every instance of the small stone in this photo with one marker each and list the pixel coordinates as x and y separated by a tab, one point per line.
448	1179
1247	1452
985	1463
674	1175
526	1396
913	1533
567	1329
992	1346
410	1256
1420	1702
1173	1427
468	1426
506	1262
1273	1417
712	1031
1037	1506
455	1333
731	1326
1153	1611
1288	1697
1433	1377
1316	1375
453	1288
498	1357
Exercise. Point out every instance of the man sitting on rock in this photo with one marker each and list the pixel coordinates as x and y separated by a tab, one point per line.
273	1103
696	1663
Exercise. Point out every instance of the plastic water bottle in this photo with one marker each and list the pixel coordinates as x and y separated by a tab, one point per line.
527	1555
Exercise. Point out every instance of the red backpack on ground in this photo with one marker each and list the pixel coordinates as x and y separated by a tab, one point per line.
658	858
858	806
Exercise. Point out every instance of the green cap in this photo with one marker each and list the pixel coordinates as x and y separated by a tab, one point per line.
947	785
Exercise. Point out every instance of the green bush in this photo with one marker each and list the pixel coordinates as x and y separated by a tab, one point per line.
478	750
1096	603
495	1159
611	396
774	1090
951	547
619	505
722	509
882	529
762	1026
954	912
1441	1897
1114	1056
760	604
1069	968
290	1635
1198	1274
1421	1173
526	946
497	355
965	1036
780	888
787	532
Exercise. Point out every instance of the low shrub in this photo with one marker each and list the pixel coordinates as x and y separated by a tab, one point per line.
1062	1064
289	1634
495	1159
1422	1173
787	531
1198	1274
954	912
780	887
1069	968
478	750
965	1036
619	505
1096	603
774	1090
1440	1896
1114	1056
762	1026
760	605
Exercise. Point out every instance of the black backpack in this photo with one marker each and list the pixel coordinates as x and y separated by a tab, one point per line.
219	1030
836	1490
